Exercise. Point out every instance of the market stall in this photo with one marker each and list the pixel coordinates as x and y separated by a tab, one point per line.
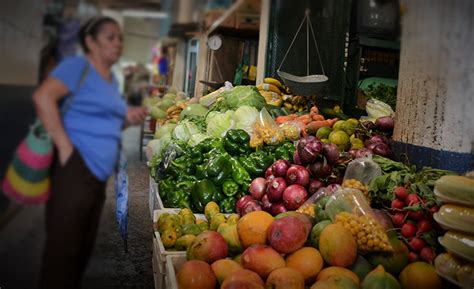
257	178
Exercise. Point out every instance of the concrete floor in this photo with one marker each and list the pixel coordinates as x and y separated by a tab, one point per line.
21	240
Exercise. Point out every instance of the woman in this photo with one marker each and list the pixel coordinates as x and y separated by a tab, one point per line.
87	139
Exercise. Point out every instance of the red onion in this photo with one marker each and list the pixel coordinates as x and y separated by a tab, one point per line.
257	188
382	149
314	186
268	172
294	196
266	204
368	125
319	170
280	167
240	204
250	207
275	189
296	158
332	188
304	141
361	153
385	124
310	152
297	174
278	208
331	152
375	139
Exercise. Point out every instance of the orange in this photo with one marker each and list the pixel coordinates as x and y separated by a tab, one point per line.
307	261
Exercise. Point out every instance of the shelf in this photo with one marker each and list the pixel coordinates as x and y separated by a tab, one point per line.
374	42
239	33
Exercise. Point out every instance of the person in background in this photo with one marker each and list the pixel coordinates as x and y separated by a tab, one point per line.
87	140
163	66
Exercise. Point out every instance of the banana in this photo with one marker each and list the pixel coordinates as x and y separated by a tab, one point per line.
273	81
277	102
288	105
269	95
269	87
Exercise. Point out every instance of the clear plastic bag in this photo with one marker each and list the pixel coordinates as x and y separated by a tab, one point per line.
456	270
291	130
315	205
349	208
363	170
266	131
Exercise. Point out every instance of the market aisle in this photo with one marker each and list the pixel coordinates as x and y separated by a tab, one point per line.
22	239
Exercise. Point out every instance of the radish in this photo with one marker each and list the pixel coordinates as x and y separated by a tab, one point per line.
424	226
433	210
412	199
416	215
412	257
398	219
408	230
416	244
401	193
397	204
427	254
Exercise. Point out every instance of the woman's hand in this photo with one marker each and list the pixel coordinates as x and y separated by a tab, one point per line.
136	115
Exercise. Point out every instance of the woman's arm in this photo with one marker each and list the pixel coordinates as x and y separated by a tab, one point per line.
45	99
135	115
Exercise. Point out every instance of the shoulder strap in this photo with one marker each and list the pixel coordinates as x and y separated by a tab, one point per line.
70	98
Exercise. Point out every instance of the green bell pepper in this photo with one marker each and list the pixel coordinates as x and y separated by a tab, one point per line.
218	167
165	188
239	174
230	188
227	205
196	156
177	199
256	163
209	144
218	196
236	142
202	193
285	152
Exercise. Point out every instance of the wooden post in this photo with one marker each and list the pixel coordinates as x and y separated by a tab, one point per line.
435	103
263	40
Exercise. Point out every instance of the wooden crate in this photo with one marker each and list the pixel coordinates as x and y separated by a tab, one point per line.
173	264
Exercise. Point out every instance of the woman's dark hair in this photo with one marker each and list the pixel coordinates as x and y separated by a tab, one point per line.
92	27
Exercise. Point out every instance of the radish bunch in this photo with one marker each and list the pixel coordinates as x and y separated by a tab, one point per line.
414	219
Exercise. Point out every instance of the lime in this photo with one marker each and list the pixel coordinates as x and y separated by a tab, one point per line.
323	132
348	127
357	143
340	138
325	140
338	125
353	121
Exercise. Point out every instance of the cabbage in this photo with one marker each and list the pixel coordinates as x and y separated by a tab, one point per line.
197	138
245	117
219	123
244	95
164	130
193	109
185	130
375	109
170	96
166	103
150	101
157	113
156	146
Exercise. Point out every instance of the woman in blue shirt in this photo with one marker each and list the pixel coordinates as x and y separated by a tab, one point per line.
87	139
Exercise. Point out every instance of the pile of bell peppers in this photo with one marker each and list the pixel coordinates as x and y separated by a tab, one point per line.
217	169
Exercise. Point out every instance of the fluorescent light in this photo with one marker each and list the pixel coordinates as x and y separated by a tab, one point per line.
144	14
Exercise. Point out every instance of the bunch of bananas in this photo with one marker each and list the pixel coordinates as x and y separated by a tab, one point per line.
173	112
272	90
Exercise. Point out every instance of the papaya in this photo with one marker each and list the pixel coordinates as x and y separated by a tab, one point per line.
378	278
183	242
395	261
361	267
231	236
190	229
316	232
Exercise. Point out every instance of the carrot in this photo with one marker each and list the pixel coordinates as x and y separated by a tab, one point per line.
306	118
314	110
285	118
313	126
317	117
302	126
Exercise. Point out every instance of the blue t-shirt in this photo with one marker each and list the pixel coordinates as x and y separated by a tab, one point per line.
95	118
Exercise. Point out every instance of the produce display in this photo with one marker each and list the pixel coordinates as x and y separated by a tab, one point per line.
301	181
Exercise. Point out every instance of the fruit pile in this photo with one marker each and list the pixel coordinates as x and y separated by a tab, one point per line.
279	252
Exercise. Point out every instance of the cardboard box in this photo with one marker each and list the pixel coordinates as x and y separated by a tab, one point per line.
247	20
213	15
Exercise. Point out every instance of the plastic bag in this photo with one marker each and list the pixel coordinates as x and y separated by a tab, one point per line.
349	208
266	131
315	205
375	109
363	170
455	269
291	130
